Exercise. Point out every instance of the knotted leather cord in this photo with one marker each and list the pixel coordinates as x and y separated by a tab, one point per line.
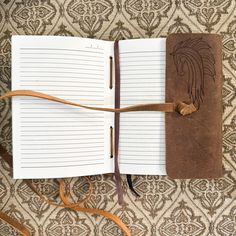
67	204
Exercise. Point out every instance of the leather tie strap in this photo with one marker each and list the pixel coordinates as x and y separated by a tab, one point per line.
180	107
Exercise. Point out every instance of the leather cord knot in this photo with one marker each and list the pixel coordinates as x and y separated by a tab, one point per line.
184	108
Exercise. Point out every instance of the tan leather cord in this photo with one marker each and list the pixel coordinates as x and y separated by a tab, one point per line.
167	107
106	214
180	107
67	204
77	207
18	226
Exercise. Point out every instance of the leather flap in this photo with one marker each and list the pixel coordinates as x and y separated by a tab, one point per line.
194	75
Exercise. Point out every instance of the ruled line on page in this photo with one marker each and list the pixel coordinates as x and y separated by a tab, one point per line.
64	90
148	80
61	72
143	74
62	130
60	152
57	49
59	59
64	135
61	63
68	96
147	51
55	139
46	77
59	144
56	121
140	155
84	54
60	67
63	157
142	64
87	164
143	163
59	86
64	148
58	53
141	159
53	162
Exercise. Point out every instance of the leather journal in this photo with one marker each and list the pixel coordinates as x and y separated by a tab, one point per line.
84	106
146	106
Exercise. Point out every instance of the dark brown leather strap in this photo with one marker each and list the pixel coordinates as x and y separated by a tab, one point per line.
117	124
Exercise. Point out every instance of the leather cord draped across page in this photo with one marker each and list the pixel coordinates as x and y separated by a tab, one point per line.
179	107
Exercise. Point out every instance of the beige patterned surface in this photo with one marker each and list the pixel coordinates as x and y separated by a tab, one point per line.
166	207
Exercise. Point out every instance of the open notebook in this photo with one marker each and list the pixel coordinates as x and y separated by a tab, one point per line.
55	140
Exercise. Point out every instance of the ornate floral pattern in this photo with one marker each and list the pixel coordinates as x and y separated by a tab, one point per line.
208	13
148	14
166	207
229	44
213	193
130	219
227	224
179	27
63	31
104	191
229	142
5	73
5	60
155	192
228	93
3	191
120	32
90	14
182	221
34	16
67	223
35	204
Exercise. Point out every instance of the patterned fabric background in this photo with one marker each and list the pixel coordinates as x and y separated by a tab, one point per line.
166	207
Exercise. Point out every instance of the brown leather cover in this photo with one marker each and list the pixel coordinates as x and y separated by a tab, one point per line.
194	75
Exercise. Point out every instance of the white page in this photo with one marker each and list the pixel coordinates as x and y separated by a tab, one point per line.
53	140
142	134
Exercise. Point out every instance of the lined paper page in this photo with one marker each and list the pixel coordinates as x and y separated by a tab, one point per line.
142	134
55	140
